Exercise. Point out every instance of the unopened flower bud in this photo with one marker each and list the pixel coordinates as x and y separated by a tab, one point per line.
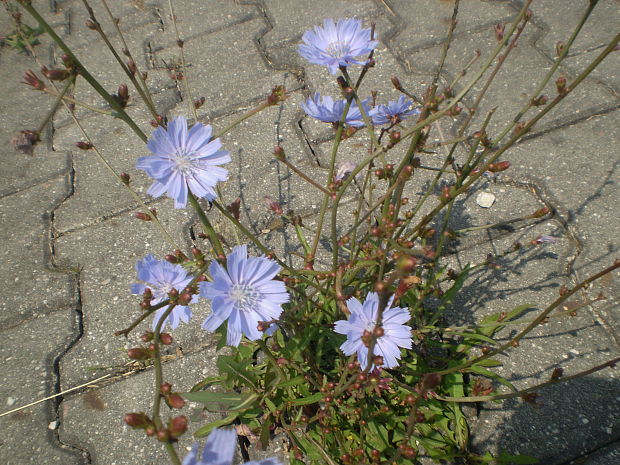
199	102
406	263
165	339
122	95
540	100
55	74
165	388
273	205
84	145
137	353
142	216
125	178
184	299
147	337
279	153
177	426
560	84
430	381
32	79
137	420
541	212
91	25
396	83
131	66
278	94
500	166
499	32
557	373
163	435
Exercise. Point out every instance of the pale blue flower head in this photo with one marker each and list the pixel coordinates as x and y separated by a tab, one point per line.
161	277
219	450
326	110
244	293
184	159
394	112
363	321
337	44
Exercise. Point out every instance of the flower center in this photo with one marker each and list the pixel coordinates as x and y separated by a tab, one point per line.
338	49
162	291
182	162
245	296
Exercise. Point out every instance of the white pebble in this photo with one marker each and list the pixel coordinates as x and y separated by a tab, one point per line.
485	199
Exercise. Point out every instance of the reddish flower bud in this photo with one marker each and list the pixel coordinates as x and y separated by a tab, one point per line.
177	426
430	381
279	153
122	95
559	48
125	178
147	337
273	205
199	102
163	435
278	94
165	339
499	32
500	166
184	299
131	66
137	420
84	145
560	84
91	25
138	353
171	258
541	212
142	216
55	74
235	208
540	100
31	79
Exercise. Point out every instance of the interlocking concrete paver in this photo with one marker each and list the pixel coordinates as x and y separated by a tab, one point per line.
237	51
27	354
91	418
30	285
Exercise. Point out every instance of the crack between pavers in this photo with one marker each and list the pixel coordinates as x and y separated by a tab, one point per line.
578	458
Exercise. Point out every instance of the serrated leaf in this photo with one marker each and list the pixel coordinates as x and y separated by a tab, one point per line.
206	383
378	436
226	400
226	364
292	382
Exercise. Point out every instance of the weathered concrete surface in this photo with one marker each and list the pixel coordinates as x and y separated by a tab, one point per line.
72	242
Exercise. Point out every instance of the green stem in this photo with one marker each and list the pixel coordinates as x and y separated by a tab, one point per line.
120	112
206	224
54	108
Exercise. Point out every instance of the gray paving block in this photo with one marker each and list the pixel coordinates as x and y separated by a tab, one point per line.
31	286
96	193
609	455
578	165
26	356
290	18
106	254
525	68
16	104
228	81
427	21
594	36
91	419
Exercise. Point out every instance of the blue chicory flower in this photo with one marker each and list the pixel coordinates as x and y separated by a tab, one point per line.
161	277
326	110
219	450
244	293
394	112
337	44
184	159
363	321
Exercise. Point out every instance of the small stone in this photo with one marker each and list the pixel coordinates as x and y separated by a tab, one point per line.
53	425
11	401
485	199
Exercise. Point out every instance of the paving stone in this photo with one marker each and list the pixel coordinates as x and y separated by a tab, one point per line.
577	167
16	103
106	255
96	192
30	285
597	32
427	21
290	18
227	81
91	418
606	456
515	82
26	356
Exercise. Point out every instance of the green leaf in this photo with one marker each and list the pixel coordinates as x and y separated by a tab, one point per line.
292	382
487	326
226	364
450	294
205	383
378	437
225	400
517	459
489	374
206	429
314	398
